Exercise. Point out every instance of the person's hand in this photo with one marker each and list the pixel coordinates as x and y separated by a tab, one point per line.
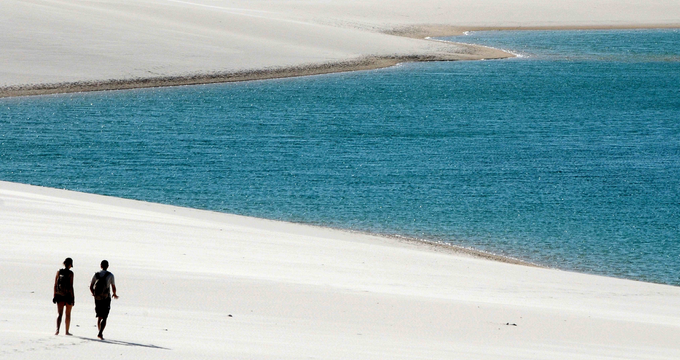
115	296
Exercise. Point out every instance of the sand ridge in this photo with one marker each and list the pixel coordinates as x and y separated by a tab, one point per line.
462	52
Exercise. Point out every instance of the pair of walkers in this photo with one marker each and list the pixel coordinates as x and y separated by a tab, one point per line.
101	285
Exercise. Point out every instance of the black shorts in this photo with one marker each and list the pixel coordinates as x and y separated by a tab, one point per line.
66	299
102	307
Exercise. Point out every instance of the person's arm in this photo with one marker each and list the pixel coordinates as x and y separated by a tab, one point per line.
92	284
113	285
73	291
56	279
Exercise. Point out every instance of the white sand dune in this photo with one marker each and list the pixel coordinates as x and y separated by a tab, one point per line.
69	41
196	284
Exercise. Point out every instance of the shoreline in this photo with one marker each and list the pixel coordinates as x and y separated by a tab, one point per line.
435	246
469	52
432	245
422	32
419	243
410	242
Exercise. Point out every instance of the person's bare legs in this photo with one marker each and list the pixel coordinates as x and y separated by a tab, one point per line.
67	321
101	324
60	311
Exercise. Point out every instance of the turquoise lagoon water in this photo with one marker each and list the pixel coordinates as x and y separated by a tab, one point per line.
568	156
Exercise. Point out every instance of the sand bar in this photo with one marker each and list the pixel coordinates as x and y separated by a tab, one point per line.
80	45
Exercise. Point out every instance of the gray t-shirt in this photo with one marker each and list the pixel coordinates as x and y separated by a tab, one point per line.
110	280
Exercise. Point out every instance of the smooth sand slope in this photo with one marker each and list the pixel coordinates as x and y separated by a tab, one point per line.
198	285
72	45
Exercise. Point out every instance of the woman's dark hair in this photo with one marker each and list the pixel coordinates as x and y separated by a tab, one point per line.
68	262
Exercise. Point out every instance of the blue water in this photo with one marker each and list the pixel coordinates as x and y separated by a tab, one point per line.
568	156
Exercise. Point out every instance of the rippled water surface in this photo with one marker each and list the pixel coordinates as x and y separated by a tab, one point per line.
567	156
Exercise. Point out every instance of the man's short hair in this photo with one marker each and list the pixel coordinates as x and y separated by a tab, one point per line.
105	264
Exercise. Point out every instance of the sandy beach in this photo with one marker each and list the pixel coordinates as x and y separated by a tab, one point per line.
199	285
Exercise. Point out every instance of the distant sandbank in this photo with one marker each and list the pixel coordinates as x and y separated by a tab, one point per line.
461	52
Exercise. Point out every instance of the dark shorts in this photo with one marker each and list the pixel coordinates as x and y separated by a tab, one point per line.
66	299
102	308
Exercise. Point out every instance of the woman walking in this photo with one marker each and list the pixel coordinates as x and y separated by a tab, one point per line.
64	296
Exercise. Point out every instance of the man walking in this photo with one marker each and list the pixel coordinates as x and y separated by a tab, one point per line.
100	287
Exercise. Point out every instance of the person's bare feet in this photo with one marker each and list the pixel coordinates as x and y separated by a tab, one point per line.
56	333
100	336
69	334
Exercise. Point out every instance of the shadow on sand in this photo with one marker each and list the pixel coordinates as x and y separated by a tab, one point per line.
123	343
